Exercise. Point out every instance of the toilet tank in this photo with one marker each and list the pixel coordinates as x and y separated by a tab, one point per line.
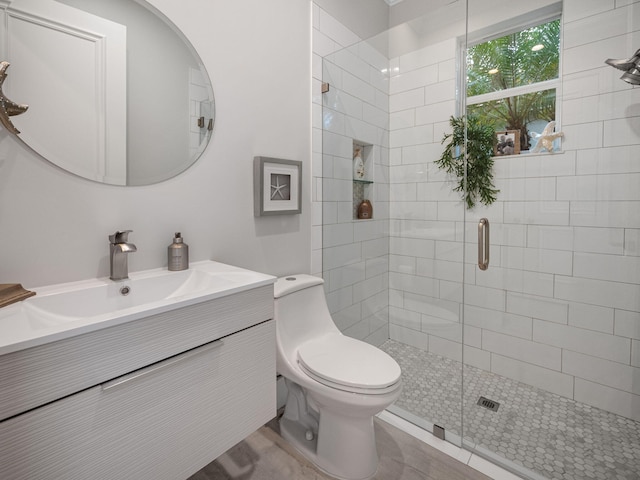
300	310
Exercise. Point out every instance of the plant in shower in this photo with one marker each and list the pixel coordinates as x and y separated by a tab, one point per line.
470	140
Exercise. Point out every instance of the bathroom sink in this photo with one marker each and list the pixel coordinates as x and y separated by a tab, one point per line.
60	311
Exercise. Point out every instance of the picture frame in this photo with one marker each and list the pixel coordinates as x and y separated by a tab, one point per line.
507	143
277	186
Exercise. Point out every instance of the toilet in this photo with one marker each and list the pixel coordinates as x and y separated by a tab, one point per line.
336	384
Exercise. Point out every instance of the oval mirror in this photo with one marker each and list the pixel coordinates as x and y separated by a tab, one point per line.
115	92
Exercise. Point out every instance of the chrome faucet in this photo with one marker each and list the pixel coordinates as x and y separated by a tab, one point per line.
119	247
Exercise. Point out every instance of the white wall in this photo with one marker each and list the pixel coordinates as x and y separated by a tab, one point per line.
54	226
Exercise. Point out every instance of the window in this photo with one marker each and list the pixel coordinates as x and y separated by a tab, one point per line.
512	80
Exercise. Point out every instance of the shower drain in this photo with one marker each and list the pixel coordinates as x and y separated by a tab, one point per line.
489	404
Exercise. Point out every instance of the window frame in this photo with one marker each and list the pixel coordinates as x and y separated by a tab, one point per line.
493	32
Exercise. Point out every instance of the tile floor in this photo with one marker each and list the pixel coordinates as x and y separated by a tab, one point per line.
549	435
264	455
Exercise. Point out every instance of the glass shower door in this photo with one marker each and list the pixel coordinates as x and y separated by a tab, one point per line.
551	326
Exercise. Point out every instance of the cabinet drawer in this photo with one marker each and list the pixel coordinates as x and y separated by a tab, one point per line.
45	373
163	422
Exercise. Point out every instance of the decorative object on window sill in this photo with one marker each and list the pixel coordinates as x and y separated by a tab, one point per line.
358	164
630	67
7	107
507	143
277	186
479	144
365	210
546	138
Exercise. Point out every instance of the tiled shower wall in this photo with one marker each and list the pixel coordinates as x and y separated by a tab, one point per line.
354	252
559	307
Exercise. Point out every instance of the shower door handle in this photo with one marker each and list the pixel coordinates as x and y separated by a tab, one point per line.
483	244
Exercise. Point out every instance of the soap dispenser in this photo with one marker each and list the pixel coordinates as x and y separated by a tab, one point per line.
178	254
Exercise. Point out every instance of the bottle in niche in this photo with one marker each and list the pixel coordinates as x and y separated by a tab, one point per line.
365	210
358	164
178	254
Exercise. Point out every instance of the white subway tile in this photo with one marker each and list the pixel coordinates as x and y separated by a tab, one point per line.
604	372
339	299
405	318
616	268
347	317
621	132
413	284
600	187
414	210
411	136
402	192
598	292
447	70
431	306
435	112
338	256
538	307
620	214
477	357
412	246
443	90
402	264
635	353
358	88
550	380
568	337
402	119
558	238
591	317
345	276
527	189
445	348
322	44
496	321
501	278
409	336
537	260
537	213
522	350
415	172
632	242
359	331
583	135
405	100
413	79
536	283
599	240
622	159
375	248
606	398
428	55
377	266
577	9
627	324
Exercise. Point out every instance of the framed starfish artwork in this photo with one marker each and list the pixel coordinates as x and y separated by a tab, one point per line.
277	186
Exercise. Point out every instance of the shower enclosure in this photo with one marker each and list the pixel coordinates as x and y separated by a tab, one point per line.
533	362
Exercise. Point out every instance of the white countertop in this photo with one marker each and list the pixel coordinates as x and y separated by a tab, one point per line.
65	310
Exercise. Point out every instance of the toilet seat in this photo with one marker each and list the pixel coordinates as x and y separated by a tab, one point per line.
348	364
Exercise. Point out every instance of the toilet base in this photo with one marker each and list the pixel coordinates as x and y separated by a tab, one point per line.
348	454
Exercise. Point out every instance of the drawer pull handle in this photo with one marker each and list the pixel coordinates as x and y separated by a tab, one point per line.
117	382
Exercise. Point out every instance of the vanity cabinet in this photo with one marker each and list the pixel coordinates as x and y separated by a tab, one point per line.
163	420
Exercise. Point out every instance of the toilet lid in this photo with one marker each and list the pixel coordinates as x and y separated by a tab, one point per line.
344	362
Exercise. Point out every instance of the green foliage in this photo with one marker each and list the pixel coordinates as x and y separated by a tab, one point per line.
517	64
478	180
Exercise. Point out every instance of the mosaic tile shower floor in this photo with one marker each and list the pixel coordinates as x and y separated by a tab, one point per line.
550	435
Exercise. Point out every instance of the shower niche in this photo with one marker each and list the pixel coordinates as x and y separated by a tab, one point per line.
363	175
